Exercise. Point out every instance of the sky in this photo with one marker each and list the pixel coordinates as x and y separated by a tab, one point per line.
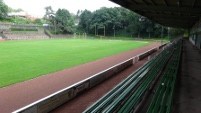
36	7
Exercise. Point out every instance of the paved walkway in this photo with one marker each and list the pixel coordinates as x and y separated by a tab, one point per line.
188	88
19	95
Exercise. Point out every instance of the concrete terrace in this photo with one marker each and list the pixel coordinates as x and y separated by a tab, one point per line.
187	92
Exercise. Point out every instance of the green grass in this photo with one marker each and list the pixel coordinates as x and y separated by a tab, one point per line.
23	60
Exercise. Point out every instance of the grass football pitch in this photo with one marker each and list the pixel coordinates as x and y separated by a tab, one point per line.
24	60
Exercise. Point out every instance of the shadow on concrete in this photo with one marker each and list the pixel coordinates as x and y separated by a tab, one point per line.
187	98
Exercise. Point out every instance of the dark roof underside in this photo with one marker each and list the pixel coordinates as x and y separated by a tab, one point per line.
172	13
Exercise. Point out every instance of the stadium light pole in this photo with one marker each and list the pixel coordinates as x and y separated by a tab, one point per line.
95	30
141	19
114	30
55	26
104	31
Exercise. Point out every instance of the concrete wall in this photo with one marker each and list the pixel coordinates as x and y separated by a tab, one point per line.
195	34
27	26
195	39
198	41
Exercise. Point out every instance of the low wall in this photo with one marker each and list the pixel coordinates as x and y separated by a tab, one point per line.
99	77
54	100
147	53
163	45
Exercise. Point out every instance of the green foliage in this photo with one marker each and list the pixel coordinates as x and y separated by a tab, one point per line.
176	32
113	19
85	19
134	25
38	21
120	20
3	10
48	13
105	21
64	21
23	29
105	17
122	32
23	60
20	20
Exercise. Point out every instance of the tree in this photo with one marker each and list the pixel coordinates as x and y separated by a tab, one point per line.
85	19
149	30
135	26
3	9
48	12
176	32
78	14
118	19
38	21
149	26
105	19
158	30
123	16
64	21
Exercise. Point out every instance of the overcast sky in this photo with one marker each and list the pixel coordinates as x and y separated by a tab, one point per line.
36	7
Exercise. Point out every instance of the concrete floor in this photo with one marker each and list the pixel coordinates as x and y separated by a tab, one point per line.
187	98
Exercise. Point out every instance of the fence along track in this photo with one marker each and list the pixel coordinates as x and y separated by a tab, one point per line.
134	86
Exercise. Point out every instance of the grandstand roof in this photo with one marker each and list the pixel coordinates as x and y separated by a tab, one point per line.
172	13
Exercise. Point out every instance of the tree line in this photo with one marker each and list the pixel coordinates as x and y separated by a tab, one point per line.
116	21
119	21
61	20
